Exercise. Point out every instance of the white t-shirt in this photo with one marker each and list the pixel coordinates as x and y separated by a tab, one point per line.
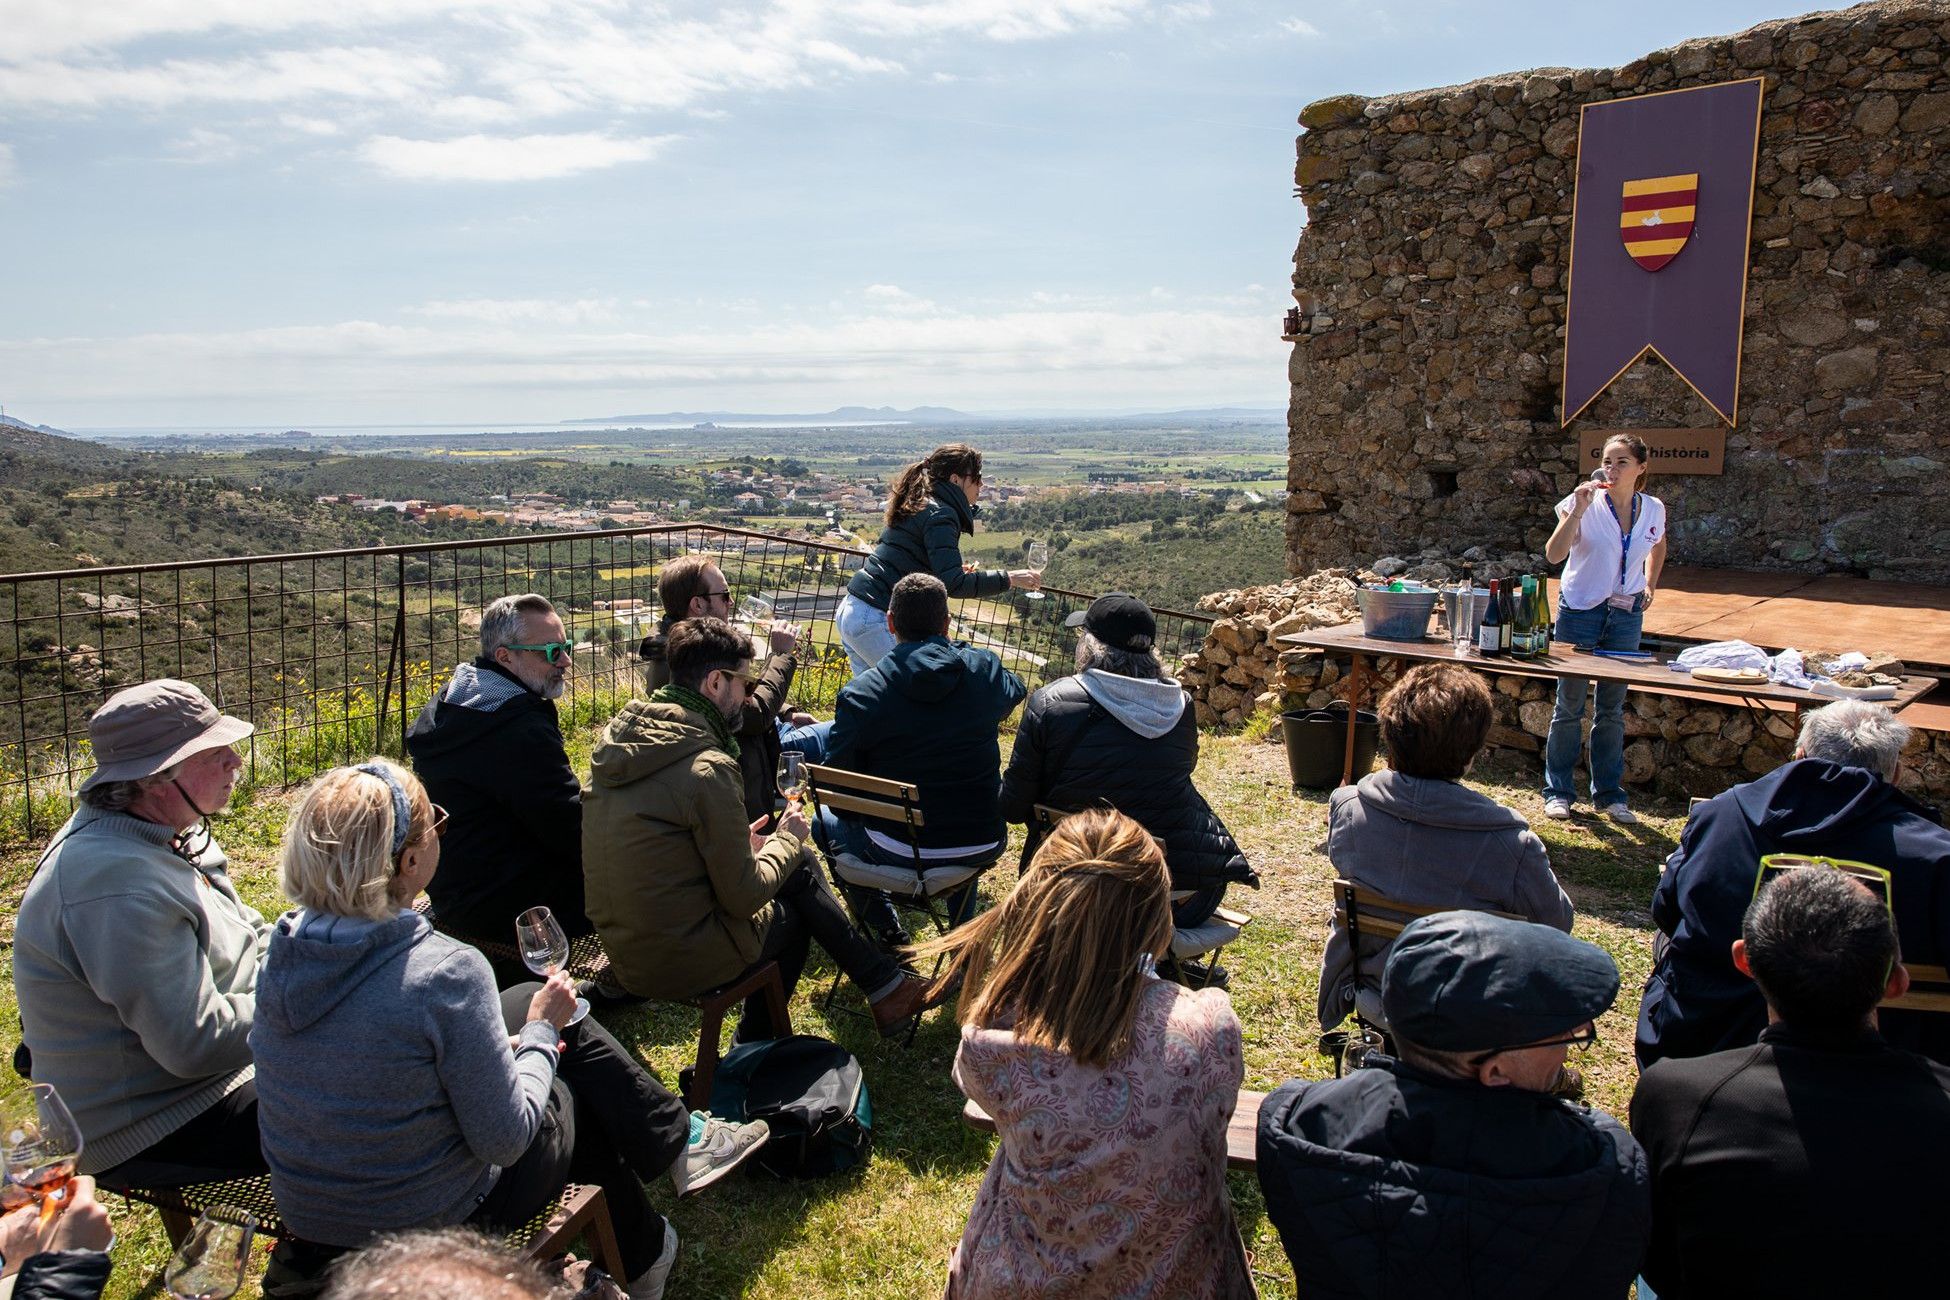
1591	571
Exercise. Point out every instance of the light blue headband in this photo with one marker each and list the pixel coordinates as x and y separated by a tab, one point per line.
402	809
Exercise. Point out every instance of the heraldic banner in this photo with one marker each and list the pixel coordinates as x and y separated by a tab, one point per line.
1659	230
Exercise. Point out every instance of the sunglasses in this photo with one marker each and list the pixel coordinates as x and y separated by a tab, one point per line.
1581	1040
439	822
1876	879
550	650
716	595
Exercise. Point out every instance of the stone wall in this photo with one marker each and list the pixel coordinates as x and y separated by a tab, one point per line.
1430	278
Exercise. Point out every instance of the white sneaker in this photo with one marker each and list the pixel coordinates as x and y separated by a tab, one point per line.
651	1285
1619	813
716	1148
1558	810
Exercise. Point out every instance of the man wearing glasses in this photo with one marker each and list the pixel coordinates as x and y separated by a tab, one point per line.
1452	1169
489	749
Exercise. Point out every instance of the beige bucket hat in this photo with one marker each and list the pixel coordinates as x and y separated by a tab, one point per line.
145	729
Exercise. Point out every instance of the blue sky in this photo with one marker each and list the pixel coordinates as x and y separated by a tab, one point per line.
291	212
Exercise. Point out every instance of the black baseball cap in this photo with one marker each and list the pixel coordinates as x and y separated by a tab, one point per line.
1118	619
1473	982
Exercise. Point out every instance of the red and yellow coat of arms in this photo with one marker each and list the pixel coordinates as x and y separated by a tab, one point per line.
1656	217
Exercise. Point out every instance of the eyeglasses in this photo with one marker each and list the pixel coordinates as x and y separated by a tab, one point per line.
1580	1039
1877	880
550	650
725	594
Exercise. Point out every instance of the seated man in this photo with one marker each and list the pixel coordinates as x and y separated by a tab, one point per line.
1415	833
1811	1163
489	750
927	713
686	893
135	963
1453	1170
690	586
1838	799
1120	733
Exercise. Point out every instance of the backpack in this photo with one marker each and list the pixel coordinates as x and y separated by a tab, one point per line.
810	1092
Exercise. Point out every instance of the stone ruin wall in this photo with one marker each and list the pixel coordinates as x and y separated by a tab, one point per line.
1430	279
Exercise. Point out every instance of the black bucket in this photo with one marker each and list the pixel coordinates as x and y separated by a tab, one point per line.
1316	745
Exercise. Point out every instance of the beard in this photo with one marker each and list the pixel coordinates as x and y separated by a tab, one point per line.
551	688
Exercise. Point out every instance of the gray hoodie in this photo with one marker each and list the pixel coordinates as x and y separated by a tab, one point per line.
1148	706
1432	843
388	1096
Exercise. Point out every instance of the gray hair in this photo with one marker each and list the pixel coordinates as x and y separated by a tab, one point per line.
1855	733
435	1262
116	796
1142	664
501	621
1447	1065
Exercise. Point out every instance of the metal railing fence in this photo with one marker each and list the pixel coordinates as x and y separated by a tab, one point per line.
332	653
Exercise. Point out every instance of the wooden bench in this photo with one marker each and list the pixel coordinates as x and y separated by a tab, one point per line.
1929	990
1242	1150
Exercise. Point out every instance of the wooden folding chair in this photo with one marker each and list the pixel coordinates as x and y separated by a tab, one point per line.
1929	990
1364	912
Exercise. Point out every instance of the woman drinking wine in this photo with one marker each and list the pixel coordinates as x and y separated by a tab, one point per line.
1611	540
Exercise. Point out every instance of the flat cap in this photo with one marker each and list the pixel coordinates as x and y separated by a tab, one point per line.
1473	982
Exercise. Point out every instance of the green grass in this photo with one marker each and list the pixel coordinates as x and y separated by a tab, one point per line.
886	1231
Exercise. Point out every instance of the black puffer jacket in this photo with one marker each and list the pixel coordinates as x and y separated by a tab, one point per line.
1395	1183
62	1275
1073	751
927	542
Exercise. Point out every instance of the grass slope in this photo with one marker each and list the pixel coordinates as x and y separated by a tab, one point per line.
886	1231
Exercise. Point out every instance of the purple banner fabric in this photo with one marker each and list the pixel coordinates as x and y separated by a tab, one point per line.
1689	309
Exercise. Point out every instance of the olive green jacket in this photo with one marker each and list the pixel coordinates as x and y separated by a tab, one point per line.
679	898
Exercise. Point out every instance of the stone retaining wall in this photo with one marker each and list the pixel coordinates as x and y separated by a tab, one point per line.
1430	279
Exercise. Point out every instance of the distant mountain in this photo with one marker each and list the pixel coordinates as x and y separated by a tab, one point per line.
840	415
8	422
1139	413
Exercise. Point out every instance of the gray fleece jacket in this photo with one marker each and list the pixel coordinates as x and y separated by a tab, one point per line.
1432	843
387	1094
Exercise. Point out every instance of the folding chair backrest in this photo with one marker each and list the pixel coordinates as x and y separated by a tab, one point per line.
1046	817
1363	911
875	797
1929	990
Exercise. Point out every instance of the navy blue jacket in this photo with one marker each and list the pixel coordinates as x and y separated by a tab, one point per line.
926	542
1395	1183
928	714
1695	1001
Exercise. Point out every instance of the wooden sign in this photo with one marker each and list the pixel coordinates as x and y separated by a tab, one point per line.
1674	451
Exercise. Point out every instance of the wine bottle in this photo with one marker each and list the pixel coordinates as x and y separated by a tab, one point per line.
1507	632
1489	634
1527	619
1544	630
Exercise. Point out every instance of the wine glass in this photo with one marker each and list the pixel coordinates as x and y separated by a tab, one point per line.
39	1145
545	949
1036	557
792	777
1360	1047
210	1263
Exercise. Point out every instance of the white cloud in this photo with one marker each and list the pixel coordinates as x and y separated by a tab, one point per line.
200	146
1299	27
507	158
513	311
6	164
277	77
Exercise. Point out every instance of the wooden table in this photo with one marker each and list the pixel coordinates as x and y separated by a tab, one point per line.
1242	1150
1562	661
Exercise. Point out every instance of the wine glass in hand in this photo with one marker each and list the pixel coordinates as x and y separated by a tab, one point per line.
39	1145
1036	556
211	1262
545	949
792	777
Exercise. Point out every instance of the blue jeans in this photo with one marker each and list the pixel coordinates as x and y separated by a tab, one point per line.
874	907
809	740
864	632
1603	628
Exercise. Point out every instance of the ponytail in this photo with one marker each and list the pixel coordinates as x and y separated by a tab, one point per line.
917	482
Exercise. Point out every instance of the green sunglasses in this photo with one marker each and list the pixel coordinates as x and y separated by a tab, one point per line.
1877	879
550	650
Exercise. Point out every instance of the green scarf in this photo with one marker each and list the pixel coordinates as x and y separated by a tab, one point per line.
686	698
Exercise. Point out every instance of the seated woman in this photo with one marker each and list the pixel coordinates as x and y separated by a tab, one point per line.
1121	734
1111	1088
1414	833
397	1089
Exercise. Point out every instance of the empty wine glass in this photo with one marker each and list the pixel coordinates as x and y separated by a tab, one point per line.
755	609
39	1145
211	1262
1036	556
792	777
545	949
1360	1046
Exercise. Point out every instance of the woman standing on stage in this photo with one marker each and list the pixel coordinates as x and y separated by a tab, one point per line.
1611	539
931	505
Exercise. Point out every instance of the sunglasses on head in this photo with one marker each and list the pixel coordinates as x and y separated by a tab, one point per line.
550	650
1875	879
439	826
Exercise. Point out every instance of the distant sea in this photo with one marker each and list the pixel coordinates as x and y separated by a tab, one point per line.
448	430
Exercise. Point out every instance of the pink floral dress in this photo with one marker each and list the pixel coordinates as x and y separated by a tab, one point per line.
1108	1183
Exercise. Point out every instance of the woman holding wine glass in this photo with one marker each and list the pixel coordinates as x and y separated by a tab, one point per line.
397	1088
930	507
1611	539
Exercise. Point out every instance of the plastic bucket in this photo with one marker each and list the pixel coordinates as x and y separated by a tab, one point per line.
1316	745
1396	615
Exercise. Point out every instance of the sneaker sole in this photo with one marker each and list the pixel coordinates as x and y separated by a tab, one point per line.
719	1171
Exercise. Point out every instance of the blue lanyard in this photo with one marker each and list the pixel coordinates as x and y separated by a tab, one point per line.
1625	534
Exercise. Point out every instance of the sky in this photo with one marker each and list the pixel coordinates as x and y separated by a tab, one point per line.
313	212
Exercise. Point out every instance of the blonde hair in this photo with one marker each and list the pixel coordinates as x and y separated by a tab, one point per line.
337	855
1057	962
